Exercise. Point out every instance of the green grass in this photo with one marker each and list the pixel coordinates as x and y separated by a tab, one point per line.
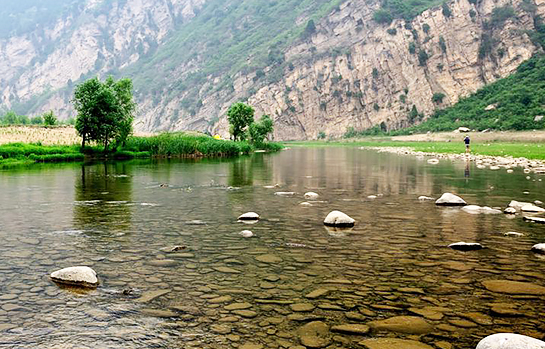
534	151
163	145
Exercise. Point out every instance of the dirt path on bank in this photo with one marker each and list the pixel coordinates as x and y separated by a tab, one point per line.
477	137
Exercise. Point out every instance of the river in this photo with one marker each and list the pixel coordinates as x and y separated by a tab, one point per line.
223	290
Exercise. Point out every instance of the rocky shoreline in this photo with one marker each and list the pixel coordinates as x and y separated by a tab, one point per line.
482	161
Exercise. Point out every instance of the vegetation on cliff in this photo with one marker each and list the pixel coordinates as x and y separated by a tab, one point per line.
516	102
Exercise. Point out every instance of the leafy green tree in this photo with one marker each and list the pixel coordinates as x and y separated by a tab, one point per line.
37	120
259	130
49	118
105	111
240	116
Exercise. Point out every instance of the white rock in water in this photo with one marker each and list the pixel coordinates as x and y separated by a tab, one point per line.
474	209
518	204
466	246
513	233
534	219
539	248
532	208
284	193
448	199
372	197
305	204
338	219
311	195
537	202
494	168
433	161
510	341
425	198
249	216
76	276
480	167
510	210
509	171
527	170
246	233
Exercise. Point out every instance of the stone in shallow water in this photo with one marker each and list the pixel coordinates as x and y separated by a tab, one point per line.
317	293
510	341
393	343
227	270
269	258
339	219
311	195
315	334
298	307
238	306
466	246
539	248
351	329
250	216
402	324
513	287
76	276
162	313
151	295
449	199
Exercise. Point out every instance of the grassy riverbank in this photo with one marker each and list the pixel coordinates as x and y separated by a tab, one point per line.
514	149
167	145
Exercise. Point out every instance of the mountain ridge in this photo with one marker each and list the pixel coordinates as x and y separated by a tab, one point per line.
335	68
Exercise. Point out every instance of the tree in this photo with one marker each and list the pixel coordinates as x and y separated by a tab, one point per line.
49	118
259	130
105	111
240	116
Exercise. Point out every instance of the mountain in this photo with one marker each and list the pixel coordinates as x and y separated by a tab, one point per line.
317	66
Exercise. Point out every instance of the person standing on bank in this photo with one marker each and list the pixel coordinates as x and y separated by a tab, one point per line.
466	141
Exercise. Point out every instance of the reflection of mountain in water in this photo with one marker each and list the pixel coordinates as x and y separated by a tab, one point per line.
103	197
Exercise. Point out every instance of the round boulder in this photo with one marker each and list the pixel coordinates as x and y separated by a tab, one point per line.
311	195
76	276
315	334
246	234
449	199
338	219
466	246
510	341
248	216
539	248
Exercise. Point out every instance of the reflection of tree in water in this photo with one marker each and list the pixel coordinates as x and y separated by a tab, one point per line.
103	194
245	170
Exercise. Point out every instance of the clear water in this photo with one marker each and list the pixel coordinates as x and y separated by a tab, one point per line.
122	219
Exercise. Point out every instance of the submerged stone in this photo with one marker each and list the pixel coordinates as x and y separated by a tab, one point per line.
513	287
402	324
393	343
76	276
315	334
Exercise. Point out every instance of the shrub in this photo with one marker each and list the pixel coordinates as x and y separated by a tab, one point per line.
392	31
437	97
321	135
49	118
446	10
426	28
422	57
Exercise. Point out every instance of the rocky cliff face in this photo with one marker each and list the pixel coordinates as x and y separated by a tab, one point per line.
351	73
361	74
91	40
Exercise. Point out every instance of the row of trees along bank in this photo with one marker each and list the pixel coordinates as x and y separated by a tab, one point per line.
105	113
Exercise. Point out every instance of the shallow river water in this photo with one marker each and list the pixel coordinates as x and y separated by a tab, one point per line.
294	282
